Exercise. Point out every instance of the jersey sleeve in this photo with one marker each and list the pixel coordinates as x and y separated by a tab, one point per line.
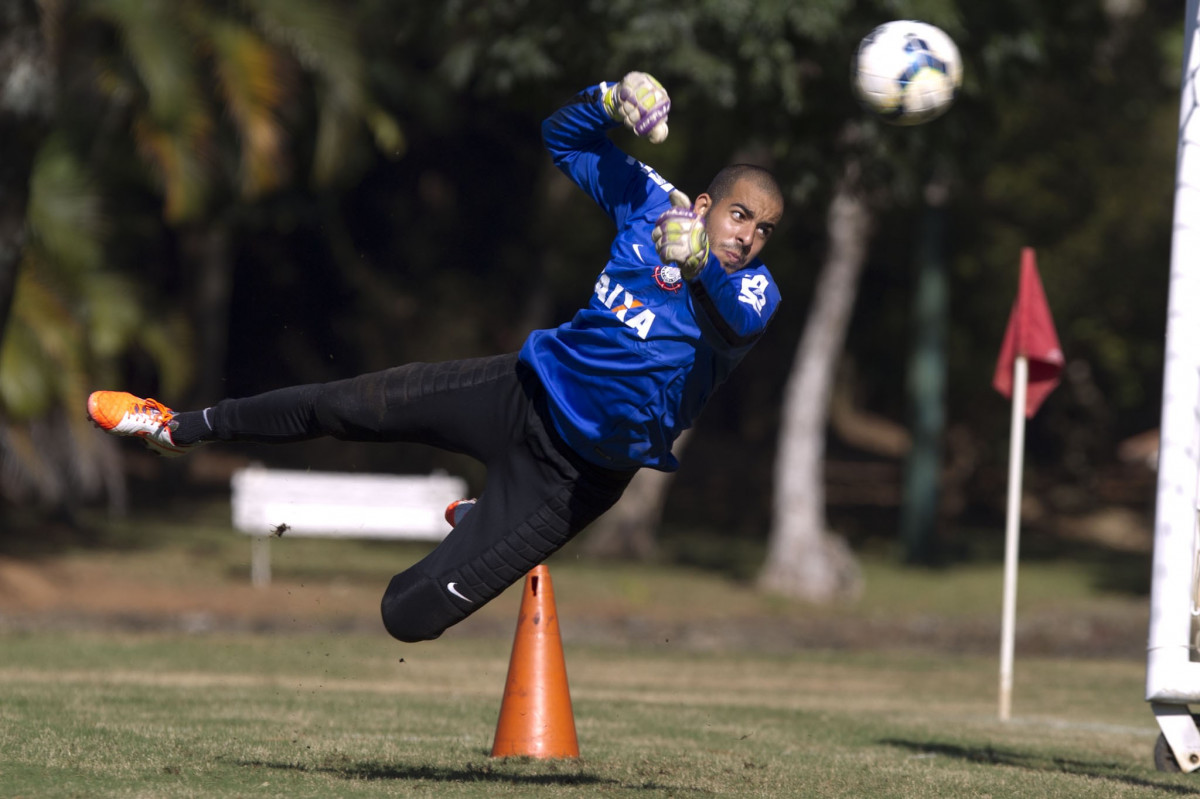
576	136
736	307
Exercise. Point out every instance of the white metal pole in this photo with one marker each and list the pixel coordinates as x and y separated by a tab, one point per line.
1012	534
1171	675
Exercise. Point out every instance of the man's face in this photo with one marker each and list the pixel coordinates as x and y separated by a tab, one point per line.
739	225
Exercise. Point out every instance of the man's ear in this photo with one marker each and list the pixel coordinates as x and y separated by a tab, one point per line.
702	204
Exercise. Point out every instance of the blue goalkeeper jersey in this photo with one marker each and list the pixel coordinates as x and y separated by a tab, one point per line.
633	369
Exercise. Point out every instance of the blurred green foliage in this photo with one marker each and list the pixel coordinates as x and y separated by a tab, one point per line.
375	174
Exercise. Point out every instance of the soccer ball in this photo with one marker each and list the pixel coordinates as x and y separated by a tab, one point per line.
907	72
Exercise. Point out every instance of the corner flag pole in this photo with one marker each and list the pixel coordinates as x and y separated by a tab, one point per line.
1026	372
1012	533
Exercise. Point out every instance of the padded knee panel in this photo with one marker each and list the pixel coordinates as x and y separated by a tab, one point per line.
415	608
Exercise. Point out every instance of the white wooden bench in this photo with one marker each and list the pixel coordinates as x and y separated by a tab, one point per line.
279	502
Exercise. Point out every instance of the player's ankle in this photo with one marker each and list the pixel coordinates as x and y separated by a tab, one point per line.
191	427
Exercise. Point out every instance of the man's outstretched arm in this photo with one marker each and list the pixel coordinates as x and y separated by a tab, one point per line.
576	135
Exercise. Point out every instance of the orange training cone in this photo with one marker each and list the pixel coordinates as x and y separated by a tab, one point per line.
535	717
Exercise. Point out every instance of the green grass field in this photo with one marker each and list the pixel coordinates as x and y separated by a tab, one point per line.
154	715
685	682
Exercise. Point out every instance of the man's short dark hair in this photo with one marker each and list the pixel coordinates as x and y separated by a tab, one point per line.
722	184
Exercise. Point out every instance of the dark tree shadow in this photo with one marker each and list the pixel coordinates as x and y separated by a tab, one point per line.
1099	770
347	769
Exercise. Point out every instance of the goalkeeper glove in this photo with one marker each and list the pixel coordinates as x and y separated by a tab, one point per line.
680	238
641	103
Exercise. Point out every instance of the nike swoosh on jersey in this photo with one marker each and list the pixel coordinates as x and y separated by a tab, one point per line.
451	587
637	250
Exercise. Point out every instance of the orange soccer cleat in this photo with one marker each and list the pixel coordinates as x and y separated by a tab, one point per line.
457	509
123	414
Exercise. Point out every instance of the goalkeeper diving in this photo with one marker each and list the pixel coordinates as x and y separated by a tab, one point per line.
562	425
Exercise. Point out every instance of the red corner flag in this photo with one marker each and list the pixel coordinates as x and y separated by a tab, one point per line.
1030	333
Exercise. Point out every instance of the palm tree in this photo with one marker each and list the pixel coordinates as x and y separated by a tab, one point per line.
172	116
52	336
215	96
25	110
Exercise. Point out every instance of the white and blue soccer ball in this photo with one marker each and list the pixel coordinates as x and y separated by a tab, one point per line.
907	72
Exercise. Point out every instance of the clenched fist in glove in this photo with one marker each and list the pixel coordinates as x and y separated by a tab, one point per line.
680	237
641	103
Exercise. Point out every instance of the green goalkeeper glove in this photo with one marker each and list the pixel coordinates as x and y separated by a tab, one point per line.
680	238
641	103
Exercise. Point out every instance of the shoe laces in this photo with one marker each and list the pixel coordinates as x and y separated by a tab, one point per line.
151	411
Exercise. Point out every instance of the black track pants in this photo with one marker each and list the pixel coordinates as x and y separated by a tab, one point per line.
538	494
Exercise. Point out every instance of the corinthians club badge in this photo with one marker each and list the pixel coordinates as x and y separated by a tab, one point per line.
668	276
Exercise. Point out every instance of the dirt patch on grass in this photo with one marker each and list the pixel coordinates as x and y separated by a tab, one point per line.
73	594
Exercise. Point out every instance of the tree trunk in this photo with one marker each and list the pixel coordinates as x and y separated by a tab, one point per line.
804	561
629	530
927	386
26	104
